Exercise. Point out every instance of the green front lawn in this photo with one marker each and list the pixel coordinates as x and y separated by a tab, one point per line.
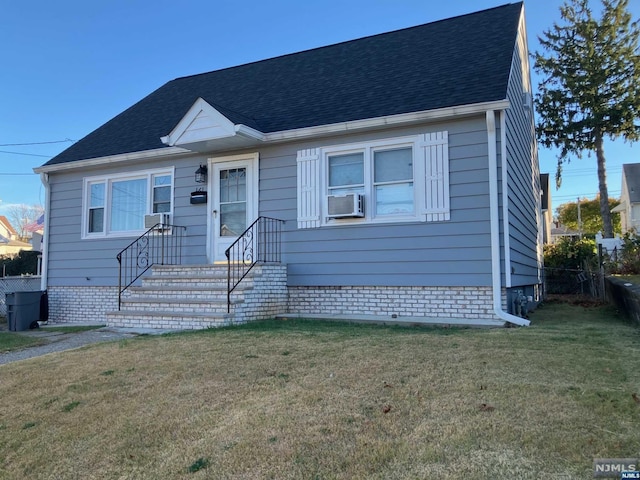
14	341
302	399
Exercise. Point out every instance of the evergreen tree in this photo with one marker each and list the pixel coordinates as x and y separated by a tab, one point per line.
591	86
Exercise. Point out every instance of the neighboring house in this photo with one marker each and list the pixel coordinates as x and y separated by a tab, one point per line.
629	206
10	245
559	231
404	165
6	229
36	228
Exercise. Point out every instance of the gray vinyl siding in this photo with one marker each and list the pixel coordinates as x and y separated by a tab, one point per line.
523	183
455	252
73	261
448	253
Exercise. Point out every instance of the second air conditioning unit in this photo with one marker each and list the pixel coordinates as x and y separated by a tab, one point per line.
150	221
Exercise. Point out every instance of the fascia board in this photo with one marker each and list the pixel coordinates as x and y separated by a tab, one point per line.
114	159
301	133
391	120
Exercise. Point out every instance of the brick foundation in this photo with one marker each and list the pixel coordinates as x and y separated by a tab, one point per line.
441	302
270	297
81	304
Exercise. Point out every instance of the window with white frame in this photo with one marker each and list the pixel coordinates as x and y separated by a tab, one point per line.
346	173
401	179
393	181
96	208
161	196
116	205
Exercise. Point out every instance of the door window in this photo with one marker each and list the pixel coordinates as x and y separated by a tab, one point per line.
233	202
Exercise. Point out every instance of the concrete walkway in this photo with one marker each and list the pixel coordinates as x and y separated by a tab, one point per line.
61	341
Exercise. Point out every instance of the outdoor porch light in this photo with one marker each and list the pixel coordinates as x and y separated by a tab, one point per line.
201	174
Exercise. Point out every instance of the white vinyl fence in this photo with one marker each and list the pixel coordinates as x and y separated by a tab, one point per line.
16	284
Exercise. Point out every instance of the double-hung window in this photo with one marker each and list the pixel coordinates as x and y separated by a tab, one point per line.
393	182
383	175
403	179
116	205
383	172
346	173
95	223
161	196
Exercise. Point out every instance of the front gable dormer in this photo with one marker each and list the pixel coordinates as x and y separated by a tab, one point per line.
203	128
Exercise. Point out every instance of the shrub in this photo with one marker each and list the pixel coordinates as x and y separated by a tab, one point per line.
569	253
564	263
627	260
25	263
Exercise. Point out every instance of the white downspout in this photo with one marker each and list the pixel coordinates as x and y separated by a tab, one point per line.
494	211
44	178
506	241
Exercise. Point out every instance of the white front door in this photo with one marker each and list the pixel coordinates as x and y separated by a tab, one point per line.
234	200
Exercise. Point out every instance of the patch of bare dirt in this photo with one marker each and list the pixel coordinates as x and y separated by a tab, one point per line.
579	300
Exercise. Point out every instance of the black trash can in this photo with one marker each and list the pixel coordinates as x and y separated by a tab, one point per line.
23	309
44	307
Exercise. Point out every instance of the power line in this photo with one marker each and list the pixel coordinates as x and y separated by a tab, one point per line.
584	194
9	174
26	154
572	198
35	143
583	172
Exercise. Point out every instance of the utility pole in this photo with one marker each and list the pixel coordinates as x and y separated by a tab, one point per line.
579	220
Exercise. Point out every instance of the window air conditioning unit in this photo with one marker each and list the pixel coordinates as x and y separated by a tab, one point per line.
346	206
152	220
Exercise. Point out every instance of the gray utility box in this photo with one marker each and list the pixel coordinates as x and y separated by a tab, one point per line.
23	308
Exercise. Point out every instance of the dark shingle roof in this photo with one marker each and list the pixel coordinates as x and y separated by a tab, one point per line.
458	61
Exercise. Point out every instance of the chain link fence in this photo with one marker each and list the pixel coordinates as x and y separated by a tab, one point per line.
16	284
567	281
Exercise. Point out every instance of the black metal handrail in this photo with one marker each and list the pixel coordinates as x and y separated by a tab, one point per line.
160	245
260	243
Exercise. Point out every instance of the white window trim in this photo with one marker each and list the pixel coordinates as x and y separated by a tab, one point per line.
368	148
107	179
430	181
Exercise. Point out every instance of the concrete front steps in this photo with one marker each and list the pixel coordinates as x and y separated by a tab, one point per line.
189	297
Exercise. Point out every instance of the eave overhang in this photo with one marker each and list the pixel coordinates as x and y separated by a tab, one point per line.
619	208
205	130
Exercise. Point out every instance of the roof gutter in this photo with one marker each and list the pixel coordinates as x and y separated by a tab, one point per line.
295	134
495	225
155	154
44	280
386	121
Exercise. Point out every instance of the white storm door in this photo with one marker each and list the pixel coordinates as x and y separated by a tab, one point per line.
234	205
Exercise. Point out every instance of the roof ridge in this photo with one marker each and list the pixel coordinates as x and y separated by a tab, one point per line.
345	42
470	57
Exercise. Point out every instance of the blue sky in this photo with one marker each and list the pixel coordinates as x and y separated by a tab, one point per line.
71	65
